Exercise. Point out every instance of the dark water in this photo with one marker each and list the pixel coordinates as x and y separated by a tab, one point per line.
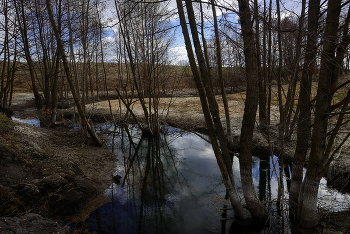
172	184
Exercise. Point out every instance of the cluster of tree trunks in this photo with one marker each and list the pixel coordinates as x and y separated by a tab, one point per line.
310	116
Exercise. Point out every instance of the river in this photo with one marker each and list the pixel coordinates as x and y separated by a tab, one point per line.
172	184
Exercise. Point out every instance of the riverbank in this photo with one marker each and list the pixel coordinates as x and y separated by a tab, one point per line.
49	172
183	110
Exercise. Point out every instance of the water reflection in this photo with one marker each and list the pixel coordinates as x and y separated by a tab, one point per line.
172	184
169	185
34	122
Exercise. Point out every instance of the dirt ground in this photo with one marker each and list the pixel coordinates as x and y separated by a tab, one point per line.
56	172
50	172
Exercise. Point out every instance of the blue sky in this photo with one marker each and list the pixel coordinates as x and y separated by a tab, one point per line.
178	50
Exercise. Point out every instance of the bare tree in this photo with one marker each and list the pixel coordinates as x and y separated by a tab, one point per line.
250	109
81	112
209	107
321	144
304	103
221	78
146	40
22	23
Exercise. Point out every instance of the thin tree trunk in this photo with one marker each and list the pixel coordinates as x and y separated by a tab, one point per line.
326	85
45	61
270	66
71	50
127	43
304	104
226	174
262	87
208	85
292	88
263	80
102	60
14	68
54	90
5	49
23	27
282	124
251	104
68	74
221	78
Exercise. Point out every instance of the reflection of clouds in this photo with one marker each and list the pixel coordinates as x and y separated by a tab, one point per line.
200	170
192	181
256	176
331	199
199	174
191	144
236	173
181	191
2	33
196	181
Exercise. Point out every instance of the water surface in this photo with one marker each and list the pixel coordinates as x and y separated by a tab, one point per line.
172	184
27	116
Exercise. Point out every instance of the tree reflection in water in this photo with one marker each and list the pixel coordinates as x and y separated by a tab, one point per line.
172	184
160	191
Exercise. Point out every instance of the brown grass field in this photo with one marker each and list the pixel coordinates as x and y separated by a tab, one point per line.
175	81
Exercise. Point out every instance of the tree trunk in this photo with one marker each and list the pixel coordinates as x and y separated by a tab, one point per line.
127	43
226	171
282	123
263	80
68	74
326	85
292	88
221	78
44	60
23	27
304	103
6	57
71	51
102	60
262	87
269	71
54	90
251	104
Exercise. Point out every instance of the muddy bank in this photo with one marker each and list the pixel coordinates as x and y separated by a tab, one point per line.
31	223
50	172
185	112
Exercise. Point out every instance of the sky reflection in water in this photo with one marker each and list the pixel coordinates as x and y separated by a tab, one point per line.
173	185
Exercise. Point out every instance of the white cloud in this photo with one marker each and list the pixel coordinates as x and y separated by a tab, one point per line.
179	54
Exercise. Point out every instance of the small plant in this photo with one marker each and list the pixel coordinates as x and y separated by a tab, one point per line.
12	138
4	125
4	121
7	147
3	118
339	95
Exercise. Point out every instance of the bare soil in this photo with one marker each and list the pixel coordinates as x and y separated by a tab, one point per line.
51	172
